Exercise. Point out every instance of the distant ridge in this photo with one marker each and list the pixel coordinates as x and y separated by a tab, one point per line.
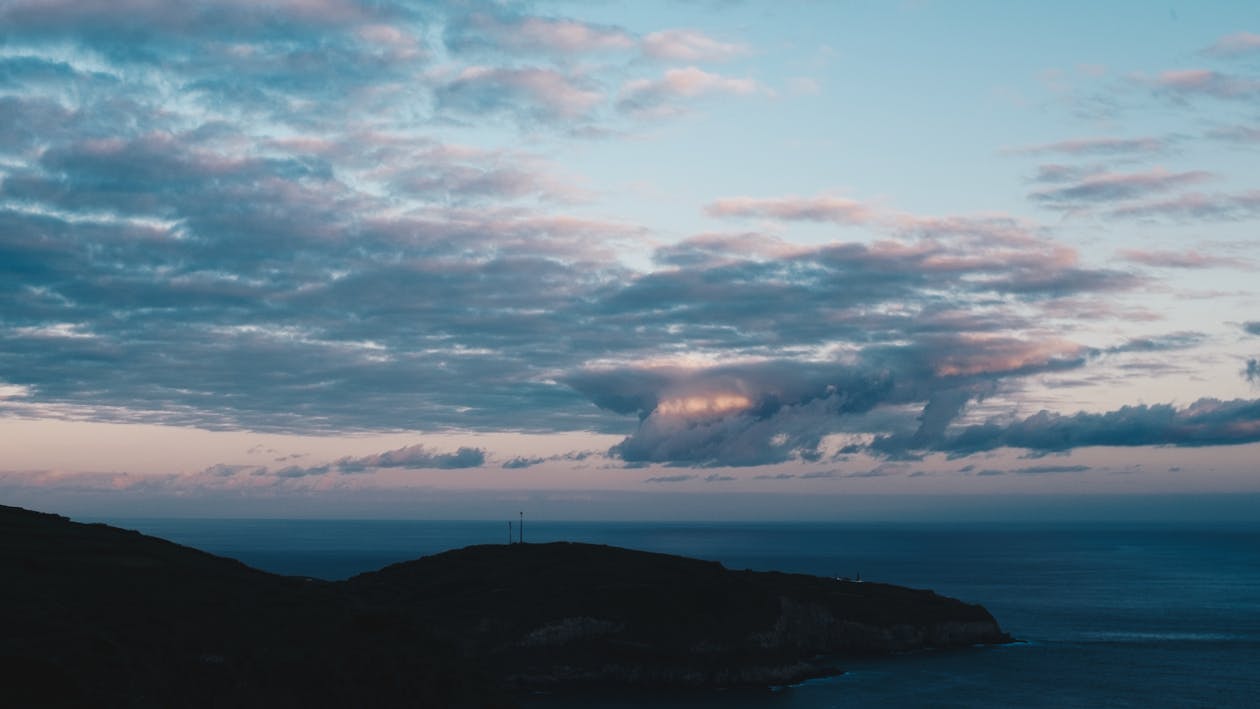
98	616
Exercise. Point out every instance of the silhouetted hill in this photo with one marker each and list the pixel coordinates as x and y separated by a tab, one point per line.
565	613
98	616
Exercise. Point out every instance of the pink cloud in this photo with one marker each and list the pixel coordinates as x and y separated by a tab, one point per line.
1235	44
1176	259
546	34
986	354
1197	205
541	92
1096	146
654	95
1206	82
823	208
1114	186
689	46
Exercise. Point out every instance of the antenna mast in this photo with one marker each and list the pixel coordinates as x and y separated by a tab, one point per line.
521	529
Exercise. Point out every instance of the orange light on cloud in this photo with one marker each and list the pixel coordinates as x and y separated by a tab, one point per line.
704	405
1005	355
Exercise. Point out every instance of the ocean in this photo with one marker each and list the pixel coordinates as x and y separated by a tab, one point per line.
1135	615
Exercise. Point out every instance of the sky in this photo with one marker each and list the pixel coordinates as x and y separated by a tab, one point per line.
706	259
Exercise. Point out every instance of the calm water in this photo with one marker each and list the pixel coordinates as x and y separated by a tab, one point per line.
1134	616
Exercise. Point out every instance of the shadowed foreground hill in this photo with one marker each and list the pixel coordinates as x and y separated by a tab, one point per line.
92	615
566	613
97	616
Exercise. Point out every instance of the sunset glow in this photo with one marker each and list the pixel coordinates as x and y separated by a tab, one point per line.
303	252
704	405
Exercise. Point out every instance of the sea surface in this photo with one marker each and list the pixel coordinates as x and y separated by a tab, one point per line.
1138	615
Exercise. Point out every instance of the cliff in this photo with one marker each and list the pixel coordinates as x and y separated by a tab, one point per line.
98	616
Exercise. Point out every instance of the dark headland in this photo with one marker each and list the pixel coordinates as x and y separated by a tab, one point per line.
99	616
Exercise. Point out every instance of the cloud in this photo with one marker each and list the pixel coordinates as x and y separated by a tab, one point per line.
412	458
1097	146
529	93
1113	187
1236	134
1188	83
776	411
498	31
684	45
671	479
1252	372
415	457
520	462
1236	44
1159	343
231	17
819	475
1206	422
661	96
838	210
1044	469
1251	328
237	215
1195	206
1177	259
1057	174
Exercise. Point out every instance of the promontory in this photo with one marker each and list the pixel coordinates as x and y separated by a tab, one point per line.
94	615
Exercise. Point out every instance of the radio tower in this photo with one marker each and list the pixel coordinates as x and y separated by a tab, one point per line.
521	528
